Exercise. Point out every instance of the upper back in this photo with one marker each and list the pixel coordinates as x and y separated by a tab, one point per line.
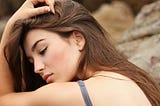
115	90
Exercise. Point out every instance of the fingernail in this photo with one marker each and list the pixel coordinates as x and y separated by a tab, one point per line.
53	11
48	9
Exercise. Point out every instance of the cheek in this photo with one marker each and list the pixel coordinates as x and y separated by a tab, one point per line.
59	58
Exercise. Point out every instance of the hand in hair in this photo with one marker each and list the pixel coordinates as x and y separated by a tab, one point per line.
27	10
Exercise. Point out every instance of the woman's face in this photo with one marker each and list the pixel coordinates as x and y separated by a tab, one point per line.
54	58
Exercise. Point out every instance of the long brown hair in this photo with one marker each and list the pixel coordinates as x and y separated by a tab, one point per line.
99	53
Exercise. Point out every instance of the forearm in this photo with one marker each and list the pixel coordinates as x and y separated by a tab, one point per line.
6	82
15	99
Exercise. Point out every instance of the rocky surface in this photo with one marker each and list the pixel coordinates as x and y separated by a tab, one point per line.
141	43
136	5
147	23
115	17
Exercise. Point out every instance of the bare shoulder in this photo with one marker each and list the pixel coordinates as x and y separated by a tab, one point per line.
115	90
54	94
58	94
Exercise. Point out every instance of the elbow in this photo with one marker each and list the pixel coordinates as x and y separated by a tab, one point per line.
13	98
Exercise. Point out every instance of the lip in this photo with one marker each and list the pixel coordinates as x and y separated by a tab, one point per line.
46	76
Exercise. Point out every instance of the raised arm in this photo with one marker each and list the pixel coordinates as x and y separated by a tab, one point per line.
27	10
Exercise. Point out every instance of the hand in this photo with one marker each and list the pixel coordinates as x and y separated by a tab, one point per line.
27	10
48	2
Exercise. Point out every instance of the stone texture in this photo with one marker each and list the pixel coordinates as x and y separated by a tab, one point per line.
147	23
115	18
90	4
136	5
141	43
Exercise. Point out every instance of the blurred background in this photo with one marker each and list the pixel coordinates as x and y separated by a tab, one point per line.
110	9
115	15
134	26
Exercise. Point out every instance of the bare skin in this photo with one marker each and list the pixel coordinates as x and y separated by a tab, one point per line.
25	11
55	58
125	92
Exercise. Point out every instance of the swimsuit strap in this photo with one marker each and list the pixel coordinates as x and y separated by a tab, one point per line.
84	93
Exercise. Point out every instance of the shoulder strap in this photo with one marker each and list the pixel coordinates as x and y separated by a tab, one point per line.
84	93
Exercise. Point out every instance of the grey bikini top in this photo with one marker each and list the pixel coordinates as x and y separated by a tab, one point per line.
84	93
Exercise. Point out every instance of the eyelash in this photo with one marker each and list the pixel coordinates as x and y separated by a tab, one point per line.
43	51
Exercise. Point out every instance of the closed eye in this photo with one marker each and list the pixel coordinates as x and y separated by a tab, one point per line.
43	51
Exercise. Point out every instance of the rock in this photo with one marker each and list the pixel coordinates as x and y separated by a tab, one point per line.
90	4
141	43
155	70
128	49
136	5
143	53
147	23
115	18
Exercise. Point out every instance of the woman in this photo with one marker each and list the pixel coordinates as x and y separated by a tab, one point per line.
60	58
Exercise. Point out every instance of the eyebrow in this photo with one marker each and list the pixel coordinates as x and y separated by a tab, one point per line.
35	44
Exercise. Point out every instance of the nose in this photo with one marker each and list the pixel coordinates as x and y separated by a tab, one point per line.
38	66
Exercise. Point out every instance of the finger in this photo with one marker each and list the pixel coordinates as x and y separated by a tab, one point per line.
51	5
34	2
40	10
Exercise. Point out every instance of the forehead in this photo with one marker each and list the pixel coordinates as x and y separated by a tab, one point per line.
35	35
